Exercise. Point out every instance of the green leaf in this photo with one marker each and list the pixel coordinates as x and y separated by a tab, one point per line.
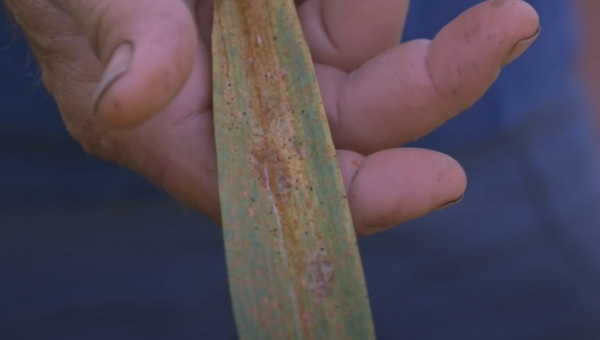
293	263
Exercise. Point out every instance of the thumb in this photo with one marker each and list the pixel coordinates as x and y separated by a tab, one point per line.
148	49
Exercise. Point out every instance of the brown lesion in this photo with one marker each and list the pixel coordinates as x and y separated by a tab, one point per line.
299	2
320	273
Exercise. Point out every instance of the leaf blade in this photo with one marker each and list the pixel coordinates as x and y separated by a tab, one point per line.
293	264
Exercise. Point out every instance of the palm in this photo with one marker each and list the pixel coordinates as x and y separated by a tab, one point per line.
377	95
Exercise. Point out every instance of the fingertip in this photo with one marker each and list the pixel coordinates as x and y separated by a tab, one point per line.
528	29
466	56
393	186
149	85
520	47
148	49
145	88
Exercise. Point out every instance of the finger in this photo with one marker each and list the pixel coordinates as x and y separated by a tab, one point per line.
148	49
384	189
412	89
347	33
393	186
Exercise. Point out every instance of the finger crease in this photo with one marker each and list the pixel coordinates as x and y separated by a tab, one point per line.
326	30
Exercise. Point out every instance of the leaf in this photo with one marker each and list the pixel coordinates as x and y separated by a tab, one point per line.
293	263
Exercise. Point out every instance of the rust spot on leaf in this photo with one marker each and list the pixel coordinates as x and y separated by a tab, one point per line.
320	272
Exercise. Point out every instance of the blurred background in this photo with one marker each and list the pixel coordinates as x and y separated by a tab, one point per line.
89	250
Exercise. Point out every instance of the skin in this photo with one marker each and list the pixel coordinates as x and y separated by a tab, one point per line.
150	109
589	62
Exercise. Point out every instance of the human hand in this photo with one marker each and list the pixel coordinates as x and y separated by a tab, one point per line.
132	80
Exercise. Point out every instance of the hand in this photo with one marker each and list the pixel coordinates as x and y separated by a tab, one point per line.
132	81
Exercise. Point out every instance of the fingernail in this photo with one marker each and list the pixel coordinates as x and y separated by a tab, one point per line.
118	65
451	203
520	47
